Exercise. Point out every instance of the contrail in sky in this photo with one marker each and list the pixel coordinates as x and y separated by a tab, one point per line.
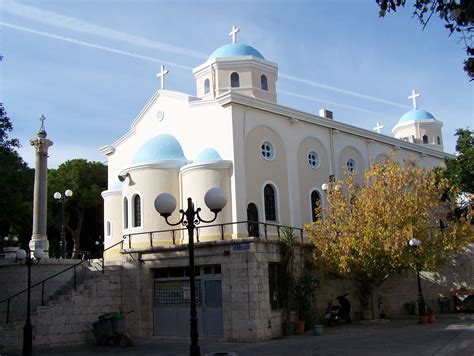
342	91
325	101
93	45
73	24
65	22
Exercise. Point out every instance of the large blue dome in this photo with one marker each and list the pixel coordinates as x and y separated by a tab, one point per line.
235	50
163	147
416	115
208	154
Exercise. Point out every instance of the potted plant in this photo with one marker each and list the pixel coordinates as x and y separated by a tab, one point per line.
305	301
287	255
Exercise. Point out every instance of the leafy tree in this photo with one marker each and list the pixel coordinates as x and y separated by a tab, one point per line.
16	182
367	227
458	16
5	127
84	217
459	171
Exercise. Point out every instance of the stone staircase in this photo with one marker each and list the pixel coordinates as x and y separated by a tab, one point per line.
67	316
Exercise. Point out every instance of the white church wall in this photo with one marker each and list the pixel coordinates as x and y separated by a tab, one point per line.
196	181
261	171
148	182
310	178
112	216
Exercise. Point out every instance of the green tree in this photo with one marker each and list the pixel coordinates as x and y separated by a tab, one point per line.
458	16
84	210
367	227
16	182
460	170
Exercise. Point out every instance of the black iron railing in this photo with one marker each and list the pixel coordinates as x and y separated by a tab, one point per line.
42	282
253	230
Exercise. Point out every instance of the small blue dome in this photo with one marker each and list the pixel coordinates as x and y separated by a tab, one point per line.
235	50
117	185
163	147
208	154
416	115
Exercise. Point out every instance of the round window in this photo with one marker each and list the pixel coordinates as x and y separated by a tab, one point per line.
313	159
351	165
267	150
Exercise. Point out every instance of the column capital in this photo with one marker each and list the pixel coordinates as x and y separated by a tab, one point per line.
41	143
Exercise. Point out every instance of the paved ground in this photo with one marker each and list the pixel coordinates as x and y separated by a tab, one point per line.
450	335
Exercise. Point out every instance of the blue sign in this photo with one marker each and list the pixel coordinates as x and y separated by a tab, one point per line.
241	247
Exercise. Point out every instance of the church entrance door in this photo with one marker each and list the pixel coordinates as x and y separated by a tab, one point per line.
252	218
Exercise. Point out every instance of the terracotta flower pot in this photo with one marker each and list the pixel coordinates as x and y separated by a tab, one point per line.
431	318
299	327
424	319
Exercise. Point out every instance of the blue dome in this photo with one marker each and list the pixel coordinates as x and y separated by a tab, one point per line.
208	154
235	50
117	185
163	147
416	115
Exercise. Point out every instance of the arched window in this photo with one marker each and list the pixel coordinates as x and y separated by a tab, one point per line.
125	213
438	139
425	139
207	86
108	229
315	204
264	82
137	211
269	197
234	80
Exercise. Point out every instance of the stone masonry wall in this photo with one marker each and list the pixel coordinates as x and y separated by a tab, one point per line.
68	321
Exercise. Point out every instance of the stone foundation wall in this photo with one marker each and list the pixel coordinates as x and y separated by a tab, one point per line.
14	278
69	319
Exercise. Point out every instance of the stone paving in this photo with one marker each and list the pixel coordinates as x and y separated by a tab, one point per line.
451	335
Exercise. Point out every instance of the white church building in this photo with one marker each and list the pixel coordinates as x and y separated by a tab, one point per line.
270	160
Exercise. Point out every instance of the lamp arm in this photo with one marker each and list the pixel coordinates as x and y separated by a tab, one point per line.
203	220
181	211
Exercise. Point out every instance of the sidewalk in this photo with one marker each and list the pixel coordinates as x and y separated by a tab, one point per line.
451	335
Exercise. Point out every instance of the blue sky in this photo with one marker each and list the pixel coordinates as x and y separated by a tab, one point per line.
90	66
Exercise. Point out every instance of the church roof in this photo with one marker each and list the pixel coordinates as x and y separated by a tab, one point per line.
163	147
207	154
235	50
416	115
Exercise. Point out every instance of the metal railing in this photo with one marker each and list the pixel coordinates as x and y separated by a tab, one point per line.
42	282
253	230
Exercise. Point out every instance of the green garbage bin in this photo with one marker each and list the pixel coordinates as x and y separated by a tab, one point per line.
109	328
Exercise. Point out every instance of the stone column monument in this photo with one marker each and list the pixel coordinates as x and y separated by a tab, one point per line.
40	198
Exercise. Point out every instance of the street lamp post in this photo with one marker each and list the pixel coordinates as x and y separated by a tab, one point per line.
28	328
165	204
62	198
331	184
415	243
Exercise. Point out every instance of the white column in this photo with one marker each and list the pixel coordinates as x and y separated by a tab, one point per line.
40	197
